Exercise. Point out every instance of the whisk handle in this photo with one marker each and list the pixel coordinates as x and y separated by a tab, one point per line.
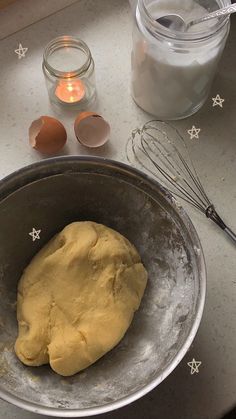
230	233
214	216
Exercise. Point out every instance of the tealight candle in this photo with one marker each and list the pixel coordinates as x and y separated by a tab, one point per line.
70	91
68	68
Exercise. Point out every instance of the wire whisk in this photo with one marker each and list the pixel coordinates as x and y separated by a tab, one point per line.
152	149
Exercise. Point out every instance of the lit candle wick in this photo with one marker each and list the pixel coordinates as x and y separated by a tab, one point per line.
70	91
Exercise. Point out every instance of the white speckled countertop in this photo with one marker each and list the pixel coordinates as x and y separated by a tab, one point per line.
106	26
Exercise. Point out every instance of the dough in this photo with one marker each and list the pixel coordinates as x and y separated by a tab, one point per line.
77	297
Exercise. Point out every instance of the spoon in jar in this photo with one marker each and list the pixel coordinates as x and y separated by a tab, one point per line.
177	23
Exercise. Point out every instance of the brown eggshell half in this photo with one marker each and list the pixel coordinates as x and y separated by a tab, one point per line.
91	129
47	135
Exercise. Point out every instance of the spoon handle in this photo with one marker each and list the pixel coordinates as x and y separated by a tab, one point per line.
218	13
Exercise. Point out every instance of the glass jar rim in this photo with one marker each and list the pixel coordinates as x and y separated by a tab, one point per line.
62	42
158	29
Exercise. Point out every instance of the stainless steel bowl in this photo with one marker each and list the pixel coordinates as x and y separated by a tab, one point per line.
47	196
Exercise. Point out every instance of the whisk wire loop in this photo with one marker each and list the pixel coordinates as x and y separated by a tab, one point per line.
169	159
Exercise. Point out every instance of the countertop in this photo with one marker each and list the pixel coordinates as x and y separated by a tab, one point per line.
106	26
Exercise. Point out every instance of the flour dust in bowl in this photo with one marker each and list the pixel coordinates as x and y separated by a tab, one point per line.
48	196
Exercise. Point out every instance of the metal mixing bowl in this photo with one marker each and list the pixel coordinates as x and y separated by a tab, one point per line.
47	196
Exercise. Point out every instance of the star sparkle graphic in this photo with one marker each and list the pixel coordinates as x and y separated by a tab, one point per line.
194	132
218	101
35	234
21	51
194	365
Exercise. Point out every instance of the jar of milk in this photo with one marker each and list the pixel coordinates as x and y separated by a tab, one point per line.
172	71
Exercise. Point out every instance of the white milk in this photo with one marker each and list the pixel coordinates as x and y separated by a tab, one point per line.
171	78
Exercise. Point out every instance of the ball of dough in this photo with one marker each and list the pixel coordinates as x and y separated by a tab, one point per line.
77	297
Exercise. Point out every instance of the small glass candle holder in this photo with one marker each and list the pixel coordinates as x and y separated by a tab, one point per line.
68	68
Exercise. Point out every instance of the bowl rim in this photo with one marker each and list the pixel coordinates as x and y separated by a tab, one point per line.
5	187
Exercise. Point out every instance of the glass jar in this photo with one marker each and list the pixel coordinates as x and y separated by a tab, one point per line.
68	68
172	71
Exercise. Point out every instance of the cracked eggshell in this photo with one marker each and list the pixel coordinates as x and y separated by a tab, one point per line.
91	129
47	135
